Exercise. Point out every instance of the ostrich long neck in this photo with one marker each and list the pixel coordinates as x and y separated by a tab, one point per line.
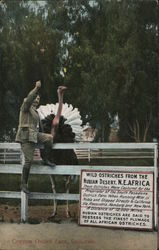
56	120
59	111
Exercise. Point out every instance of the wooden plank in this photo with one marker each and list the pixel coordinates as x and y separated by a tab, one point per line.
87	146
10	194
10	145
67	169
39	196
10	168
104	145
113	157
58	196
119	153
24	207
10	153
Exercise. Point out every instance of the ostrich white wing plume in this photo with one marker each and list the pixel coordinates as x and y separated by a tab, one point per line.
69	113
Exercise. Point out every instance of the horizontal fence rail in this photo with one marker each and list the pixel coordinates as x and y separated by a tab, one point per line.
11	152
11	162
67	169
40	196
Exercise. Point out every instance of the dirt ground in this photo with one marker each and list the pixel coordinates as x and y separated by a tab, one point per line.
37	214
64	234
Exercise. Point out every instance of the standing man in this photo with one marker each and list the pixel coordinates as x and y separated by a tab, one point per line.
28	134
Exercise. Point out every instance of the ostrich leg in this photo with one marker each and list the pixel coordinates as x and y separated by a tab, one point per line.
54	192
67	186
54	126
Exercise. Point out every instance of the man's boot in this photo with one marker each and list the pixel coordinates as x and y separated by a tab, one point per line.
24	180
46	155
49	163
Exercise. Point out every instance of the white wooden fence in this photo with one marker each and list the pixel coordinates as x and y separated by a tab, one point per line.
11	163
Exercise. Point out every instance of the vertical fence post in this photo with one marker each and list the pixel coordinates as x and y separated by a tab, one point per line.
24	197
89	155
24	207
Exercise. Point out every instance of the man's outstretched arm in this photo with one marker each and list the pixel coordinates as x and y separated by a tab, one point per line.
31	96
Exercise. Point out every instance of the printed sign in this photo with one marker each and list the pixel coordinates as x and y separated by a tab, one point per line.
116	199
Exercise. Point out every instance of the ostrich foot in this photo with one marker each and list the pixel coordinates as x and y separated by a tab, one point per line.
68	214
53	218
54	214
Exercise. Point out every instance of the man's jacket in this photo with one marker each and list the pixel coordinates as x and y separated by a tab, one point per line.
28	120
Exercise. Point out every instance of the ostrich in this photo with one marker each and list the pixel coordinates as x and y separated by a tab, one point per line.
64	123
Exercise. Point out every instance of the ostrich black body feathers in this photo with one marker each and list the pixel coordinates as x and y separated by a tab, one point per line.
63	134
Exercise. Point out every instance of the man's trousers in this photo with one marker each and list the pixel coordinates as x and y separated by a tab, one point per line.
28	149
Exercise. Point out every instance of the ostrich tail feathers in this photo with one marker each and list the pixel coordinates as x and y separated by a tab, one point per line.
50	108
74	122
44	111
71	117
67	110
